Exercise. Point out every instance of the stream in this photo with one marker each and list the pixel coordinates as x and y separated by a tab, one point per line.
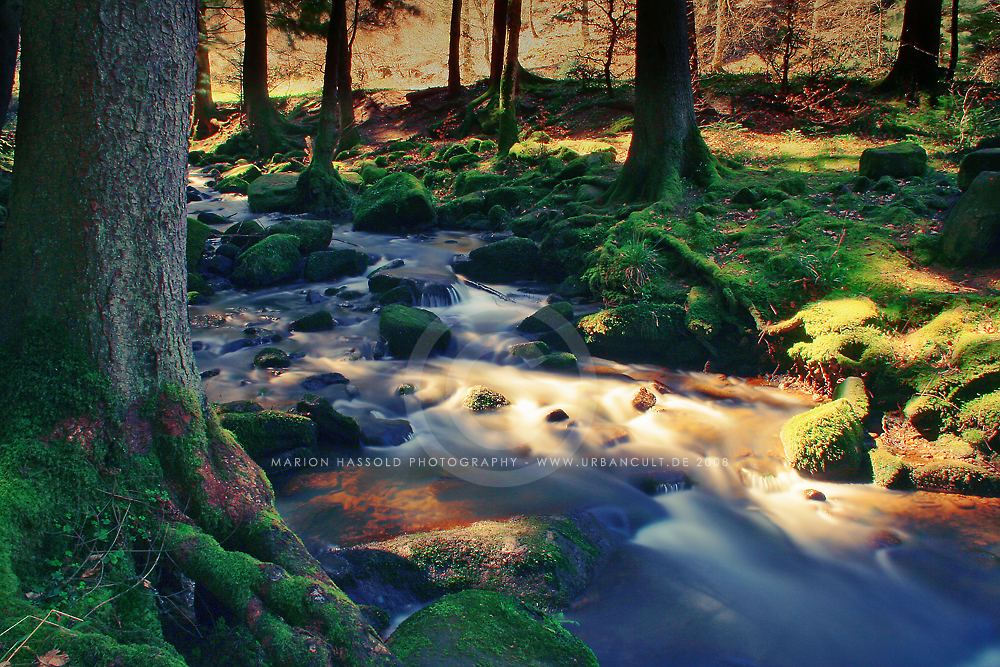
723	559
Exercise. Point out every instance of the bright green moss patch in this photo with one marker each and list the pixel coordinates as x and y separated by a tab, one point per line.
271	431
827	441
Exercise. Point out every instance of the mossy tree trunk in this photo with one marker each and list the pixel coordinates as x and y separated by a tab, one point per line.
454	49
10	29
99	395
204	106
349	136
916	66
507	135
666	142
497	45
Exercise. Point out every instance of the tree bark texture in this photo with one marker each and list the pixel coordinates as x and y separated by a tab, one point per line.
454	50
497	44
262	118
666	143
916	65
10	29
953	56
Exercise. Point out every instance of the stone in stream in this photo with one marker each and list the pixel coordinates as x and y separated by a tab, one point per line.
403	328
827	441
643	399
268	432
243	234
547	319
314	382
481	399
333	429
321	320
377	432
251	338
272	357
313	235
398	203
485	629
335	264
505	261
274	192
198	234
271	261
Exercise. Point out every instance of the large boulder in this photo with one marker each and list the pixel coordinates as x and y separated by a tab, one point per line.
827	442
397	204
485	629
403	327
269	432
243	234
641	331
333	428
197	234
971	232
323	192
901	160
274	192
313	235
505	261
271	261
334	264
976	163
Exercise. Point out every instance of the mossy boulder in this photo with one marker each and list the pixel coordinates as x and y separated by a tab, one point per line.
976	163
547	318
509	260
398	203
558	361
530	351
321	320
275	192
323	192
243	234
704	312
889	470
827	442
271	261
335	264
269	432
272	357
197	235
403	328
641	331
484	399
971	232
954	476
485	629
903	160
530	152
333	429
313	235
474	181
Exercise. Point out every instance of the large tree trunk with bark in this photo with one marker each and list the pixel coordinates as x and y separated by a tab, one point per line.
10	27
666	142
507	135
204	106
953	55
349	136
100	400
916	66
497	44
454	49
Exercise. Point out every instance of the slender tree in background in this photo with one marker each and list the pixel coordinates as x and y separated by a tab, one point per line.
454	49
507	135
349	136
204	106
719	50
102	409
10	28
666	142
692	32
497	46
953	56
916	66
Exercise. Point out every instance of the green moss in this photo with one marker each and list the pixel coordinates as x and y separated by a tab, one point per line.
335	264
826	442
403	328
704	316
481	399
889	470
398	203
271	261
547	318
321	320
957	477
272	357
197	236
333	428
270	431
313	235
511	259
275	192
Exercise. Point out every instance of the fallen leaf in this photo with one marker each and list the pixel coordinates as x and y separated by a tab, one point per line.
54	658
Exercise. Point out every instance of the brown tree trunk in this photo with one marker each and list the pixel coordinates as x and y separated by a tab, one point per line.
585	22
454	49
204	106
692	31
497	46
916	66
349	136
99	395
10	29
265	123
953	56
507	135
721	17
666	142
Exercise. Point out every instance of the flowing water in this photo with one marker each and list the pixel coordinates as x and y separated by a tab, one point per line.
722	558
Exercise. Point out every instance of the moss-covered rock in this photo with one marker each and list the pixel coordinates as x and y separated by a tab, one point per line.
334	264
321	320
971	232
475	181
511	259
333	429
558	361
704	312
547	318
398	203
272	357
532	350
482	399
268	432
957	477
403	328
271	261
197	235
975	163
485	629
243	234
903	160
827	442
889	470
313	235
275	192
645	331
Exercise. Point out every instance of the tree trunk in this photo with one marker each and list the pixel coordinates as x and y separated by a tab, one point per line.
692	28
454	49
349	136
585	22
497	46
666	142
916	66
265	123
99	395
953	56
721	11
10	28
814	33
507	136
204	106
467	41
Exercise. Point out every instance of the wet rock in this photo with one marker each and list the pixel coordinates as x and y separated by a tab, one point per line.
271	261
217	264
475	181
557	415
976	163
272	357
321	320
377	432
547	319
641	331
333	429
405	389
530	351
211	373
814	494
643	399
268	432
315	382
505	261
243	234
398	203
971	232
479	628
240	407
192	194
481	399
275	192
902	160
213	218
198	234
335	264
558	361
889	470
957	477
313	235
826	442
403	328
